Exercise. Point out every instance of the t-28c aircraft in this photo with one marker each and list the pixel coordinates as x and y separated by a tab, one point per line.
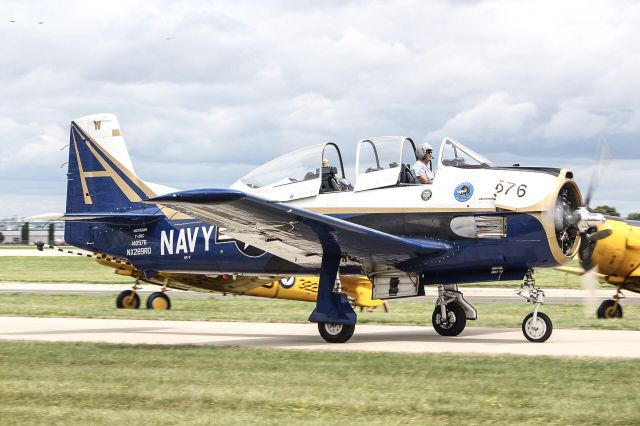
299	216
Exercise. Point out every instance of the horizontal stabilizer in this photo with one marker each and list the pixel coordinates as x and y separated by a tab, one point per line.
128	218
296	234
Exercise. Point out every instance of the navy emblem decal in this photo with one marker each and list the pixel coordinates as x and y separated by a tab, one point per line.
463	192
426	195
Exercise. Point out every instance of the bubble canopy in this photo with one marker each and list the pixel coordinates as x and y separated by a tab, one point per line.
318	169
297	174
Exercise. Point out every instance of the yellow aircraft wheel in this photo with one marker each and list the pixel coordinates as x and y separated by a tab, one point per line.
158	301
128	299
609	309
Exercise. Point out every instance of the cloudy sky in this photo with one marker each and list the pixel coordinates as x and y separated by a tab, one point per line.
207	90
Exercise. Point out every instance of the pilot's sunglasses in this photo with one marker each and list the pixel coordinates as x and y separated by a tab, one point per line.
429	151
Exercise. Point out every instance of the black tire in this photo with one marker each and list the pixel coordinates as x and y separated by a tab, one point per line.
158	301
128	299
457	320
336	333
609	309
542	333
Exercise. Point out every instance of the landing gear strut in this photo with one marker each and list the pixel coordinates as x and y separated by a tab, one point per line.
611	308
537	326
452	310
333	313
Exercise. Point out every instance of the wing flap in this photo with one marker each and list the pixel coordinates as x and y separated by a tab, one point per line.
293	233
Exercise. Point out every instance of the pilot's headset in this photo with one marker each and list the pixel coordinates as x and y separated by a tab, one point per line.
421	151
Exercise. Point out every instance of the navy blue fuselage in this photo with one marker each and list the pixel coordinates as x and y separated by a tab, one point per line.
200	247
120	224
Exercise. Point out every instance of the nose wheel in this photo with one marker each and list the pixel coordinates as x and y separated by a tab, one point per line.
537	329
536	326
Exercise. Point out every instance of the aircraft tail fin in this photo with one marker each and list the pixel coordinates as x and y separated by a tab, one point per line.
100	175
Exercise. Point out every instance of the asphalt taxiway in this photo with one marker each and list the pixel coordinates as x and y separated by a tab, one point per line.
368	338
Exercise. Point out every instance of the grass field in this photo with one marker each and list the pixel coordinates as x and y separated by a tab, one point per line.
114	384
82	270
269	310
57	269
79	384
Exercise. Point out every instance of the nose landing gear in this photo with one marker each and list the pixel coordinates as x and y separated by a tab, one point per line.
536	326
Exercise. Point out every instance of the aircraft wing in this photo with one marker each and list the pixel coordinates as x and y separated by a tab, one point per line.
295	234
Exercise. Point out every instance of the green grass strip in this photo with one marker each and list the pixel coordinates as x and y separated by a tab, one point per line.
83	270
114	384
57	269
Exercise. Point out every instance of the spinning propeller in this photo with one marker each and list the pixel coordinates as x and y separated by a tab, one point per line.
588	244
572	221
589	280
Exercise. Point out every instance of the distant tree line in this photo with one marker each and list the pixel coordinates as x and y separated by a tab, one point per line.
611	211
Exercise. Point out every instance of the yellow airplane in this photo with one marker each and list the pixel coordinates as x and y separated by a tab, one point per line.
612	256
357	288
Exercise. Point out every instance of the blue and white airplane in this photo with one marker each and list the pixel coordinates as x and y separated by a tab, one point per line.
298	215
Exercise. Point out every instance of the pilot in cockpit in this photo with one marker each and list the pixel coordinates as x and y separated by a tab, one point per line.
423	169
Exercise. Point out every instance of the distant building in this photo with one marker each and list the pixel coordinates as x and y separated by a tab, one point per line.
11	229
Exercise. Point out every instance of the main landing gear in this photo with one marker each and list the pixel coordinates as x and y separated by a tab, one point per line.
452	311
537	326
336	333
333	313
611	308
129	299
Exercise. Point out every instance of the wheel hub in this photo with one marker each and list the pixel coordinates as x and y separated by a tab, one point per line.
611	312
536	329
333	329
159	303
449	321
129	301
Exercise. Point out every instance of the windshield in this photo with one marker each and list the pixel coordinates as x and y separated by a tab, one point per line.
457	155
303	164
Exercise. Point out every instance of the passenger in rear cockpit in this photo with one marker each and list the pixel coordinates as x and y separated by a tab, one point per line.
329	181
422	169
